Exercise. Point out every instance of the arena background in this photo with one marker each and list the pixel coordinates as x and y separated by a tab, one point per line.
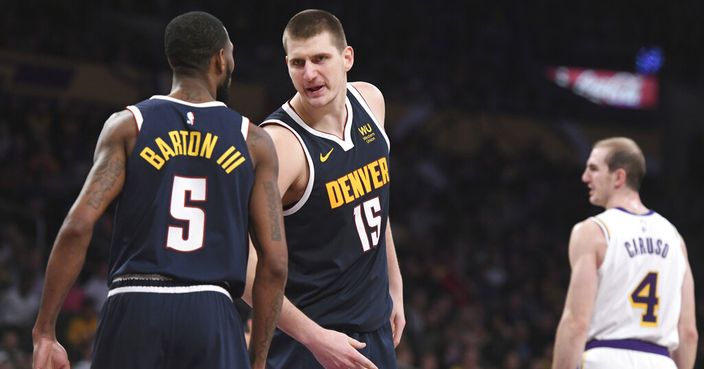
488	144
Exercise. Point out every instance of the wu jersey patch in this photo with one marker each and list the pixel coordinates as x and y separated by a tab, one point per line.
368	135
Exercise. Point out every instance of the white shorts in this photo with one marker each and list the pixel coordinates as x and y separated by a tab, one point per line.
623	358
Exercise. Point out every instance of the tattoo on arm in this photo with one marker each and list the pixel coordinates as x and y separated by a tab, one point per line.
264	342
103	179
273	206
254	136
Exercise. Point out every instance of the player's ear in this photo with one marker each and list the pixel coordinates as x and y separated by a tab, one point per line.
348	57
621	177
220	61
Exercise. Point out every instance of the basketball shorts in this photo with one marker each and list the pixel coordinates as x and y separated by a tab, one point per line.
626	354
149	326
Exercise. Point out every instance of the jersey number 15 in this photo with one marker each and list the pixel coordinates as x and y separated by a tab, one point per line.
367	218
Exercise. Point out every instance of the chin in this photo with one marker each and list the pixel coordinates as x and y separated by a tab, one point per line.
596	202
317	102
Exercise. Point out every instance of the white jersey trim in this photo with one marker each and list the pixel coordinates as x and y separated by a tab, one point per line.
137	116
164	289
208	104
345	144
366	107
604	228
606	261
245	127
311	178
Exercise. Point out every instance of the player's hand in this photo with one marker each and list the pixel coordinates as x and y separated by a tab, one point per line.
49	354
398	317
335	350
398	320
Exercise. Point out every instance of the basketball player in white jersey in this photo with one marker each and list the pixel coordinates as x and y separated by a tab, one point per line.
630	302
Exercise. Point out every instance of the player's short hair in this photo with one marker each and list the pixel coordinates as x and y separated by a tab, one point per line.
624	153
191	39
312	22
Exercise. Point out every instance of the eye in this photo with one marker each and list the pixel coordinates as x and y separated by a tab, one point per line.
296	62
320	58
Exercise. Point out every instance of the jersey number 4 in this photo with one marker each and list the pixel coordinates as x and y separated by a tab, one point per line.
367	218
645	297
189	238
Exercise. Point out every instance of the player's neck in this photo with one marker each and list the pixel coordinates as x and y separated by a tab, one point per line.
193	90
628	201
330	118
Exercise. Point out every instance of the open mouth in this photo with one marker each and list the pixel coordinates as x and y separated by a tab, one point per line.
314	89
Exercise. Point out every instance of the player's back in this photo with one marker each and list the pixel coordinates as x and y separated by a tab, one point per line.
183	211
640	279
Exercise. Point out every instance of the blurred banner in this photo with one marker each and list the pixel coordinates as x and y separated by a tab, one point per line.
67	80
606	87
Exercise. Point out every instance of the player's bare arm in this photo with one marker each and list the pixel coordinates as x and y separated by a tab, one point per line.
398	318
686	353
103	184
269	242
290	167
585	242
375	99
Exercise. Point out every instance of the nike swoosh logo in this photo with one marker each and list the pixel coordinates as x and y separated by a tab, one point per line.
324	158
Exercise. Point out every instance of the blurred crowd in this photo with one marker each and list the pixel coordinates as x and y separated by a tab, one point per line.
481	234
481	239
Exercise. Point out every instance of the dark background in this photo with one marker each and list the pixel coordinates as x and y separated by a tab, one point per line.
487	153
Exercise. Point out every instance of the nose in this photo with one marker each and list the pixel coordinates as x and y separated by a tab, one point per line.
585	176
309	71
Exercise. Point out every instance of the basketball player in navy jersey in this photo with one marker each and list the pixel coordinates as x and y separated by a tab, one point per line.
194	178
344	301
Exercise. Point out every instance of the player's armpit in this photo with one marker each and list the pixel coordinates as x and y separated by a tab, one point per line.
293	165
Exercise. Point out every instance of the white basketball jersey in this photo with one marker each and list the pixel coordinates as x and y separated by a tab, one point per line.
640	279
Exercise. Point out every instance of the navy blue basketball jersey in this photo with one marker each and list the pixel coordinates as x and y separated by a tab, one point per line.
336	233
184	208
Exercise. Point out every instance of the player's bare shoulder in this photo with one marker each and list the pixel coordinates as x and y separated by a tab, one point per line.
587	237
122	122
119	129
260	145
368	91
374	98
587	228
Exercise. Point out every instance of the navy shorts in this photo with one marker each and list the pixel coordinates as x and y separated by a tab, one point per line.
287	353
194	326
